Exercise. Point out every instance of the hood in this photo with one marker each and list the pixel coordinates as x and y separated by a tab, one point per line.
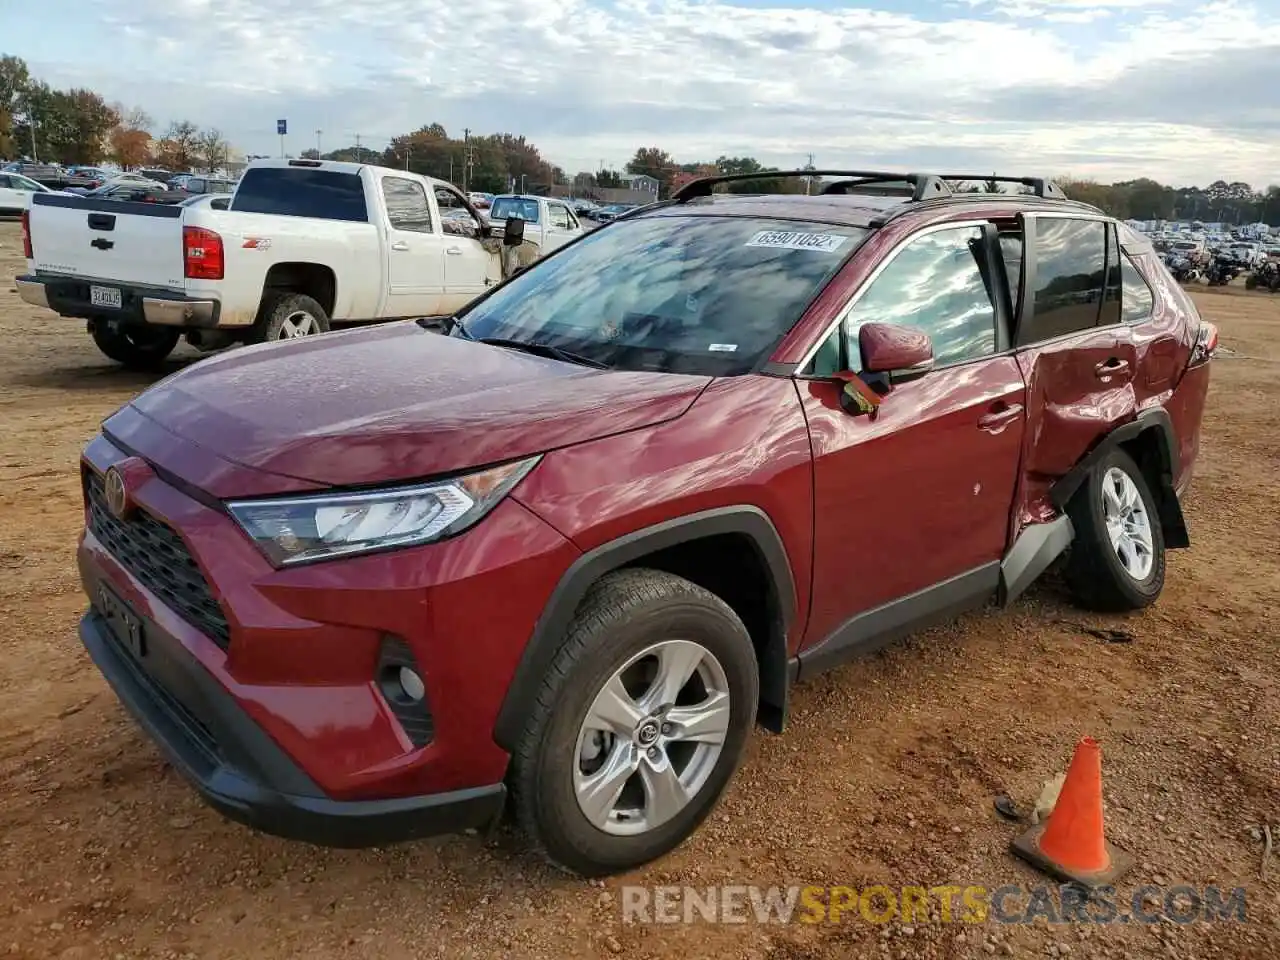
395	402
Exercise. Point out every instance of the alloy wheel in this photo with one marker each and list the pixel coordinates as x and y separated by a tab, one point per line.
298	324
1128	523
651	738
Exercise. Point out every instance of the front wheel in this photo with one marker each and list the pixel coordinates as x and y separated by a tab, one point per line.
136	346
639	725
1117	558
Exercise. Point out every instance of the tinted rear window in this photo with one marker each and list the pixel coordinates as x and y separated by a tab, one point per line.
302	192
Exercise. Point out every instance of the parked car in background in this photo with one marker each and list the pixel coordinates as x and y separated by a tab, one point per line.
202	184
549	223
214	201
612	211
156	174
16	192
47	174
301	244
561	559
481	201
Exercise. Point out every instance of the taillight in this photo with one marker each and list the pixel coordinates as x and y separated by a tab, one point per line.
1206	343
26	234
202	254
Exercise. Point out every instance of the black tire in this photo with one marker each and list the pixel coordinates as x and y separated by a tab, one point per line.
1095	573
280	310
1251	282
622	615
136	346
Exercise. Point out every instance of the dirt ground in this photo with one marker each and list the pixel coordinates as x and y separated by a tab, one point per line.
887	775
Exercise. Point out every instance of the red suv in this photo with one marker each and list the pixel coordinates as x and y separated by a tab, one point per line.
561	550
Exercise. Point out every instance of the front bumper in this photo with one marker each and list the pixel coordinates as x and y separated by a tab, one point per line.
69	296
276	678
242	773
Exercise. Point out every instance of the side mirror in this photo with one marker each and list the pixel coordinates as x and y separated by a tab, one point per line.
513	232
894	353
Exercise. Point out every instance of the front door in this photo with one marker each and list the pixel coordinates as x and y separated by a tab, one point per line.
912	506
469	269
560	227
415	251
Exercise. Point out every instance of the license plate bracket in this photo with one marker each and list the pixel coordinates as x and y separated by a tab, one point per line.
105	297
126	626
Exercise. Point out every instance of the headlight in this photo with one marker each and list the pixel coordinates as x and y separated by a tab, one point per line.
300	529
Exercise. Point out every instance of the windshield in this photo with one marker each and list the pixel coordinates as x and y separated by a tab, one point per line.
705	295
504	207
1185	245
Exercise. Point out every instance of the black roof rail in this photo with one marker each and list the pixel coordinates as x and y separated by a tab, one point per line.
1039	186
923	186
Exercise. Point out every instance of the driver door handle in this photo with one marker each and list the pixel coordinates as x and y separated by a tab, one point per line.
454	251
400	245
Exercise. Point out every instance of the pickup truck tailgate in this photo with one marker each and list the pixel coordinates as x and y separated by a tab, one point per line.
135	243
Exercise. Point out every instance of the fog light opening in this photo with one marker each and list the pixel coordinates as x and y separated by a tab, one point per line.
411	684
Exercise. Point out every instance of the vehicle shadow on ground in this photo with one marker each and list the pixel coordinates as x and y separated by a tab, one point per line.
107	376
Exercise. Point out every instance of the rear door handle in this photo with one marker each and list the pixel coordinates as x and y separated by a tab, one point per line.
1111	367
400	245
997	420
454	251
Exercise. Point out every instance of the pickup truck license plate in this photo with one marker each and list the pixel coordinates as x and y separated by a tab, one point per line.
104	297
125	625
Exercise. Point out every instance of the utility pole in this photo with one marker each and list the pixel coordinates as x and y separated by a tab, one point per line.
466	160
408	152
31	121
318	132
808	181
358	148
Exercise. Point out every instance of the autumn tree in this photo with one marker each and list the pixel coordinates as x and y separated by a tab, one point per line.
14	81
656	163
130	139
213	148
179	149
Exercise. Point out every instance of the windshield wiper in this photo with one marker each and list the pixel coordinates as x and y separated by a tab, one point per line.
540	349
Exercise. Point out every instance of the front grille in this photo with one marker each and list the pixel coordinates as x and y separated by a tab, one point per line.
155	554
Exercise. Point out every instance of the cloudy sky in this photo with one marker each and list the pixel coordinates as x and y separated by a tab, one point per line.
1182	90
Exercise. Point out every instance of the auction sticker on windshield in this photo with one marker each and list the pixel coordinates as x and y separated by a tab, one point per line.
794	240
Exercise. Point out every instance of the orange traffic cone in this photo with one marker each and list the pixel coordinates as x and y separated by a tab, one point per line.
1071	845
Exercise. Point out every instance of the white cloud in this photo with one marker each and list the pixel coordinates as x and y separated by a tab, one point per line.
588	82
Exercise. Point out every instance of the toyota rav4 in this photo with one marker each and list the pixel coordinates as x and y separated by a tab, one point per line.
561	551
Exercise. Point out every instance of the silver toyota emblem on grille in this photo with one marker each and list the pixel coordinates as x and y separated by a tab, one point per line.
117	496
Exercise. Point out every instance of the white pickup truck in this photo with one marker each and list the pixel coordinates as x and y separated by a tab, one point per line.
302	244
549	223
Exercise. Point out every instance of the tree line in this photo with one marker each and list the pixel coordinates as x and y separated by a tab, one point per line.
78	127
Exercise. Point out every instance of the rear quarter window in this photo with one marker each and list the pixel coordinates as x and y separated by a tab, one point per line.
302	192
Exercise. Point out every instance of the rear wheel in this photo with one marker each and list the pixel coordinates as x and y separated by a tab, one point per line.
1117	559
287	316
136	346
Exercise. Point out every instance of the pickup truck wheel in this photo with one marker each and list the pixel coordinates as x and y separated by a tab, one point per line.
136	346
639	725
1117	559
290	315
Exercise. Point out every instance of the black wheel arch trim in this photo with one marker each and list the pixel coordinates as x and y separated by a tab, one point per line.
550	631
1156	419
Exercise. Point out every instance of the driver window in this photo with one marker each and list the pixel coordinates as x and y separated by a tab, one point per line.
559	216
455	218
934	284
